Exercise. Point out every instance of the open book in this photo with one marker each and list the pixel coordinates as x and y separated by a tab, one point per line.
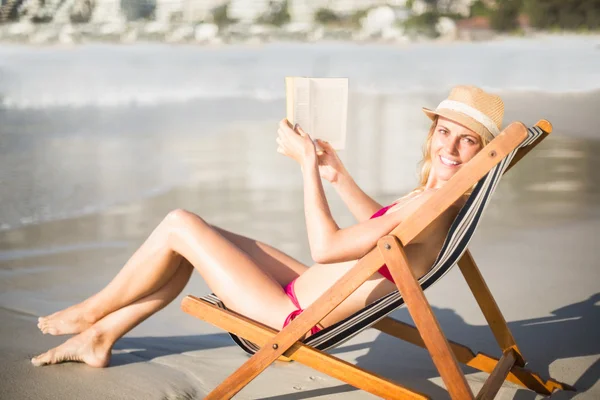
319	106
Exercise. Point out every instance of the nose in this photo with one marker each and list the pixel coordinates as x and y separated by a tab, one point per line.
451	144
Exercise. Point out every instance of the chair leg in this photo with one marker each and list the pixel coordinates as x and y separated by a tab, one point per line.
286	338
494	382
488	306
421	312
479	361
318	360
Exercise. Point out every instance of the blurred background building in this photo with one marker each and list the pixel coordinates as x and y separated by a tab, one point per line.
213	20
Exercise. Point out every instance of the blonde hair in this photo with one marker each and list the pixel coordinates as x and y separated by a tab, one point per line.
426	161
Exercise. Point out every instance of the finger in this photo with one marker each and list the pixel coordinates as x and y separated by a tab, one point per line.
284	131
327	148
284	123
305	135
324	144
281	133
300	131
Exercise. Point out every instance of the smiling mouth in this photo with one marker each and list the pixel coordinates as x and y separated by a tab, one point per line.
449	163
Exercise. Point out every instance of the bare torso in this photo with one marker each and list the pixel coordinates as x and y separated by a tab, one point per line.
317	279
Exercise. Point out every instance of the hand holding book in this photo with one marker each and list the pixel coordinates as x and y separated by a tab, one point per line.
298	145
295	143
330	165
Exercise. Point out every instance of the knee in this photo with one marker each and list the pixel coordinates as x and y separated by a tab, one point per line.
180	224
181	218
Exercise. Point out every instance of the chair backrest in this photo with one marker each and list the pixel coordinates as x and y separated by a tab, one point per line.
455	244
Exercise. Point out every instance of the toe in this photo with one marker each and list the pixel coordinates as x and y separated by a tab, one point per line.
40	360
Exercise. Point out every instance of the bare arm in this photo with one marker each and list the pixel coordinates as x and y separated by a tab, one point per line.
331	244
328	243
332	169
361	205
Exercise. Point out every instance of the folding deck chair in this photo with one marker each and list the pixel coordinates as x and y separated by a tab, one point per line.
482	174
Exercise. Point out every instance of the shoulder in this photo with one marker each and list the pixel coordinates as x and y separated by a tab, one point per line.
416	199
440	225
410	203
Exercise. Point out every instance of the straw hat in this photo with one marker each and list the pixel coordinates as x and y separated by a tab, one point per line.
470	106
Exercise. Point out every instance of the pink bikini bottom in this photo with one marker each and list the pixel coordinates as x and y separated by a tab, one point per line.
289	290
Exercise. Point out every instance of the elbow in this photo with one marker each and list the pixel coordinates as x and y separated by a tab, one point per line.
328	255
319	256
322	254
326	250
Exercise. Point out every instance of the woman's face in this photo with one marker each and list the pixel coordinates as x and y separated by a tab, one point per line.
452	145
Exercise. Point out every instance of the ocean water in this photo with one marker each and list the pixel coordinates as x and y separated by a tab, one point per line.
83	128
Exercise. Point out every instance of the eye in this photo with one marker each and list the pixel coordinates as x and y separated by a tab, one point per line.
442	131
469	140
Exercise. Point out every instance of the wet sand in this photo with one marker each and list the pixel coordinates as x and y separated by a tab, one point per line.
537	247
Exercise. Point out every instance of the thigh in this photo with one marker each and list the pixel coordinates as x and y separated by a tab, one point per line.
373	289
279	265
231	273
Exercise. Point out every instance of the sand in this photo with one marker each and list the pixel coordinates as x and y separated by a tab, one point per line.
537	247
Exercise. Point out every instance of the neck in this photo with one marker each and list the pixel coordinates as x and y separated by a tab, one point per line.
433	182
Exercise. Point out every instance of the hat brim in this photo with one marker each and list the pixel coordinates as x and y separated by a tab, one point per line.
461	119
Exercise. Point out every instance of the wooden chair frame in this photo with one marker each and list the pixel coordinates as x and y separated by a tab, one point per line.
427	333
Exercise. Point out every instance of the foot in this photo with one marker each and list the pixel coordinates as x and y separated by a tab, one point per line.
71	320
87	347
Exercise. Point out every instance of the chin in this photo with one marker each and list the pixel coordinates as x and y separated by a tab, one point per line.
443	173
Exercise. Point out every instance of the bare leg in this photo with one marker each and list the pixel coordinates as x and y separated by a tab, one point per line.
77	318
93	345
230	272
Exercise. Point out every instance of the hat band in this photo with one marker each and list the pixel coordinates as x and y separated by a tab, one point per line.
471	112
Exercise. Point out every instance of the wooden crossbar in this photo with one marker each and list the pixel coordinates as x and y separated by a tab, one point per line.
465	355
307	355
292	333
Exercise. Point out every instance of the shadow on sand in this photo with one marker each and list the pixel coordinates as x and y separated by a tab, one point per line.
571	331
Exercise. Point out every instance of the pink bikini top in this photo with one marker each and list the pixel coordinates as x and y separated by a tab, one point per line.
384	269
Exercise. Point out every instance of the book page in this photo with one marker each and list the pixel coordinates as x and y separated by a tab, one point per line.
329	110
298	101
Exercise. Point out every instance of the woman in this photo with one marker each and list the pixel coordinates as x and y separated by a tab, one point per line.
259	281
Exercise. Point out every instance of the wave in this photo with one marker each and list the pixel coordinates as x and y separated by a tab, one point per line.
87	208
118	98
143	97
